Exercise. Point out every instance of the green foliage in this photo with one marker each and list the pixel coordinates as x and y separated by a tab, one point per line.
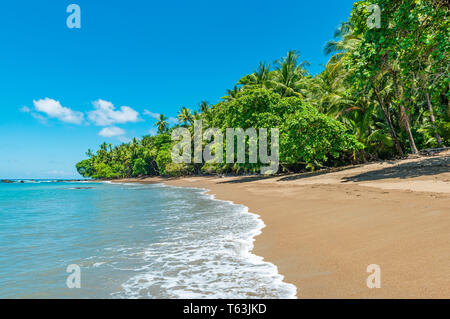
311	138
383	93
163	159
85	168
102	170
161	124
175	169
140	167
443	130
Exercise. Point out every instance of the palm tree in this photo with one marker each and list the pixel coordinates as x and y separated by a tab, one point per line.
289	73
204	106
184	116
161	124
261	76
206	113
196	116
333	99
336	103
345	41
232	94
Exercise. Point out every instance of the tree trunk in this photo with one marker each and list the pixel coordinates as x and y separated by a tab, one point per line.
387	117
433	120
404	114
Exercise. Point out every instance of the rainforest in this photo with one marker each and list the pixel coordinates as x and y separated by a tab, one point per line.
383	94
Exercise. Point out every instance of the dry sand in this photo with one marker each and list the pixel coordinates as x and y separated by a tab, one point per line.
324	229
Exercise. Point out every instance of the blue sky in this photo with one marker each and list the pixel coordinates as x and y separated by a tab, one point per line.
66	90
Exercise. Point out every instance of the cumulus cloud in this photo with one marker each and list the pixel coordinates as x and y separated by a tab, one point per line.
106	114
111	131
54	109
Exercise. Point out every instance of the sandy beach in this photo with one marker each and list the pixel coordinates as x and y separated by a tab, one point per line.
323	229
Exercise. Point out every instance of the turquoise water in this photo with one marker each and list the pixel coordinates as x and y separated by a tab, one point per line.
130	241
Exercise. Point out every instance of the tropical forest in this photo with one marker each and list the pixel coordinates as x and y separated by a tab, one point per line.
383	94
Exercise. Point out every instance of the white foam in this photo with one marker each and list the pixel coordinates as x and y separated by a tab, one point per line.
207	255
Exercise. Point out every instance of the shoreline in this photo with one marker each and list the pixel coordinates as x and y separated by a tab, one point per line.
324	229
250	250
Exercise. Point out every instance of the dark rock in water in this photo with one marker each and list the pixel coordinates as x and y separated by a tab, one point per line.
22	182
83	187
6	181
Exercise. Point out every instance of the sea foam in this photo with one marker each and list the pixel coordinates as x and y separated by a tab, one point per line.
207	255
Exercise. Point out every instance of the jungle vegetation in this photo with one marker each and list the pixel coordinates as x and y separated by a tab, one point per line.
384	93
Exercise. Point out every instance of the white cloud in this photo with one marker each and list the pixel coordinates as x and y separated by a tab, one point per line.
153	131
124	139
172	120
111	131
54	109
105	114
39	117
151	114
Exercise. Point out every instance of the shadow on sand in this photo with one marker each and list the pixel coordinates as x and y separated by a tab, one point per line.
285	178
426	167
247	179
317	173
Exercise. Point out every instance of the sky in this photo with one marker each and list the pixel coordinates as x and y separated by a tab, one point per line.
66	90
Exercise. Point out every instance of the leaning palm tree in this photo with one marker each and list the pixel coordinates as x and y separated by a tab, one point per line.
333	99
161	124
184	116
343	42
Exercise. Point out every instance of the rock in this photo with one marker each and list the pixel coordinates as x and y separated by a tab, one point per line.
7	181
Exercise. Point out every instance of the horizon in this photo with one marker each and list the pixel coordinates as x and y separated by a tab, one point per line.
221	151
69	90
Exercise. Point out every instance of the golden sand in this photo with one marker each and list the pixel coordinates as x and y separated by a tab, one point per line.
324	229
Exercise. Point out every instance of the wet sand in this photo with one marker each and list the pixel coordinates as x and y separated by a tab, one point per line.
323	229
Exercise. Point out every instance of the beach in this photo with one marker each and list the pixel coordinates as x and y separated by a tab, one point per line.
129	241
323	229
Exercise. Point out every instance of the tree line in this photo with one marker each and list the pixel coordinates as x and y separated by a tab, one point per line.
384	93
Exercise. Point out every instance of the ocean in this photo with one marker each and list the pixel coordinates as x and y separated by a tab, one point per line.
129	241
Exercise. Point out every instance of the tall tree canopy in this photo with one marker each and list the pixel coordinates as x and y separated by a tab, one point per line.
383	93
